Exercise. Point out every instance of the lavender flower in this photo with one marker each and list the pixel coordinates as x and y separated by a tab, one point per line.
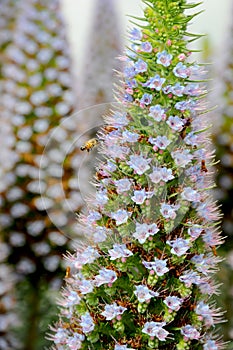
121	216
157	112
87	323
144	294
140	66
155	82
105	277
143	231
173	302
119	251
159	266
154	329
179	246
164	58
112	311
139	164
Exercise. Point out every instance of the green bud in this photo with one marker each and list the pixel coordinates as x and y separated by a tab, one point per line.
119	326
152	280
142	307
93	337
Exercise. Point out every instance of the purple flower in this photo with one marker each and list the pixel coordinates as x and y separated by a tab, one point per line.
175	123
205	264
144	294
139	196
121	216
75	342
122	347
205	313
193	90
190	332
110	167
190	195
155	82
105	276
210	345
154	329
189	105
131	83
211	238
164	58
122	185
135	34
85	286
182	157
173	303
129	72
119	120
139	164
71	298
88	256
178	89
159	266
93	216
117	151
130	136
101	197
111	311
169	211
128	98
161	174
179	246
143	231
140	66
157	112
160	142
189	278
119	251
167	89
195	231
208	211
100	234
146	99
181	71
193	139
87	323
146	46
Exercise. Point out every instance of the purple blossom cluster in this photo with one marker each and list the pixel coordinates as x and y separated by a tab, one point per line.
152	272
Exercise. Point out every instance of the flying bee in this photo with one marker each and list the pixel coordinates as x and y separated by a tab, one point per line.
89	145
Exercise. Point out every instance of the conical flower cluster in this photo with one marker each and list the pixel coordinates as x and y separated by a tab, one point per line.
144	279
38	164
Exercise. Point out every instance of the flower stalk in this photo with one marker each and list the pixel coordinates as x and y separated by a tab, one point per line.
144	277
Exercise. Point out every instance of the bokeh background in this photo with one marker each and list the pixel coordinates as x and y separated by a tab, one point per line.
87	69
214	22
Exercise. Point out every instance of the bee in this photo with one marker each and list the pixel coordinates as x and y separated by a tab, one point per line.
87	146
